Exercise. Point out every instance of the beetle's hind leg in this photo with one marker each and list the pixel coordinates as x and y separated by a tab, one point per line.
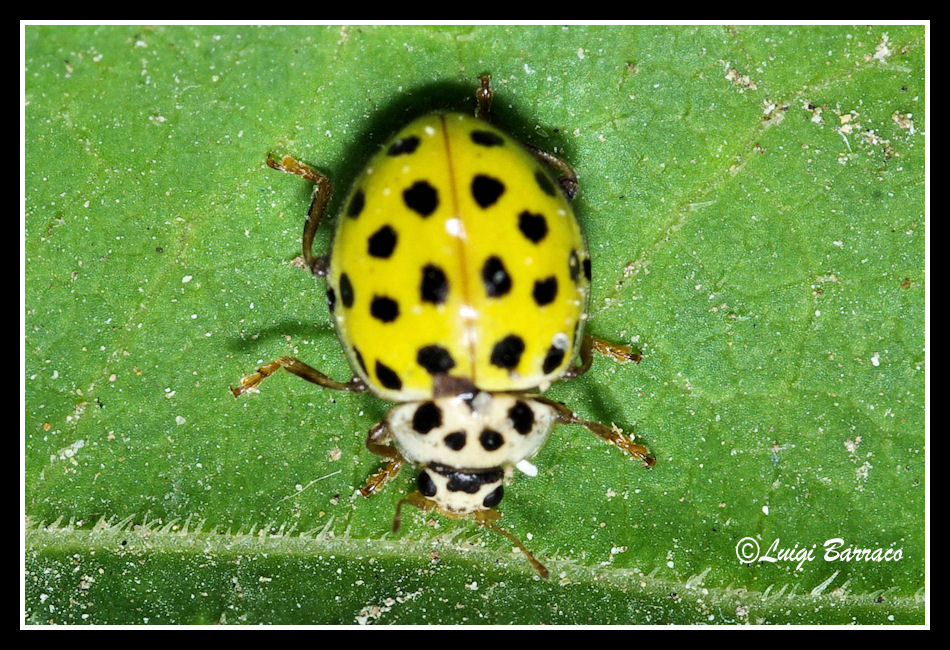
567	177
322	189
484	95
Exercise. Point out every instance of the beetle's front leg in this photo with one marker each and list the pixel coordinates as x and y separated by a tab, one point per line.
605	433
377	441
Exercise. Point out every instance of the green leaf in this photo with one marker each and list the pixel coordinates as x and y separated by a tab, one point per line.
754	202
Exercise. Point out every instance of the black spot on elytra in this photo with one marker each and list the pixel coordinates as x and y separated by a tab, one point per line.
507	352
435	359
486	190
403	146
427	417
574	266
382	242
384	309
359	360
435	286
545	291
331	298
421	198
522	417
533	226
552	359
495	277
356	204
586	266
487	138
387	376
346	291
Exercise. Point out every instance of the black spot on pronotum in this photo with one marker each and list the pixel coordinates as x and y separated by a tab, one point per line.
522	417
507	352
382	242
533	226
384	309
435	286
421	198
494	497
403	146
455	441
356	204
491	439
346	291
435	359
487	138
545	291
552	359
469	482
586	266
426	484
495	277
331	298
486	190
387	376
427	417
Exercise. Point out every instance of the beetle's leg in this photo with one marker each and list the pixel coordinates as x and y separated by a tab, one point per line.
484	95
487	519
587	358
484	518
377	441
567	178
416	500
589	344
621	353
605	433
299	368
321	196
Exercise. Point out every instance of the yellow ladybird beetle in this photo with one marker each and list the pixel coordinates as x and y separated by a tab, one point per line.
458	282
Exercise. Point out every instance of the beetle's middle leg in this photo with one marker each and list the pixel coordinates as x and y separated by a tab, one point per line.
302	370
589	345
